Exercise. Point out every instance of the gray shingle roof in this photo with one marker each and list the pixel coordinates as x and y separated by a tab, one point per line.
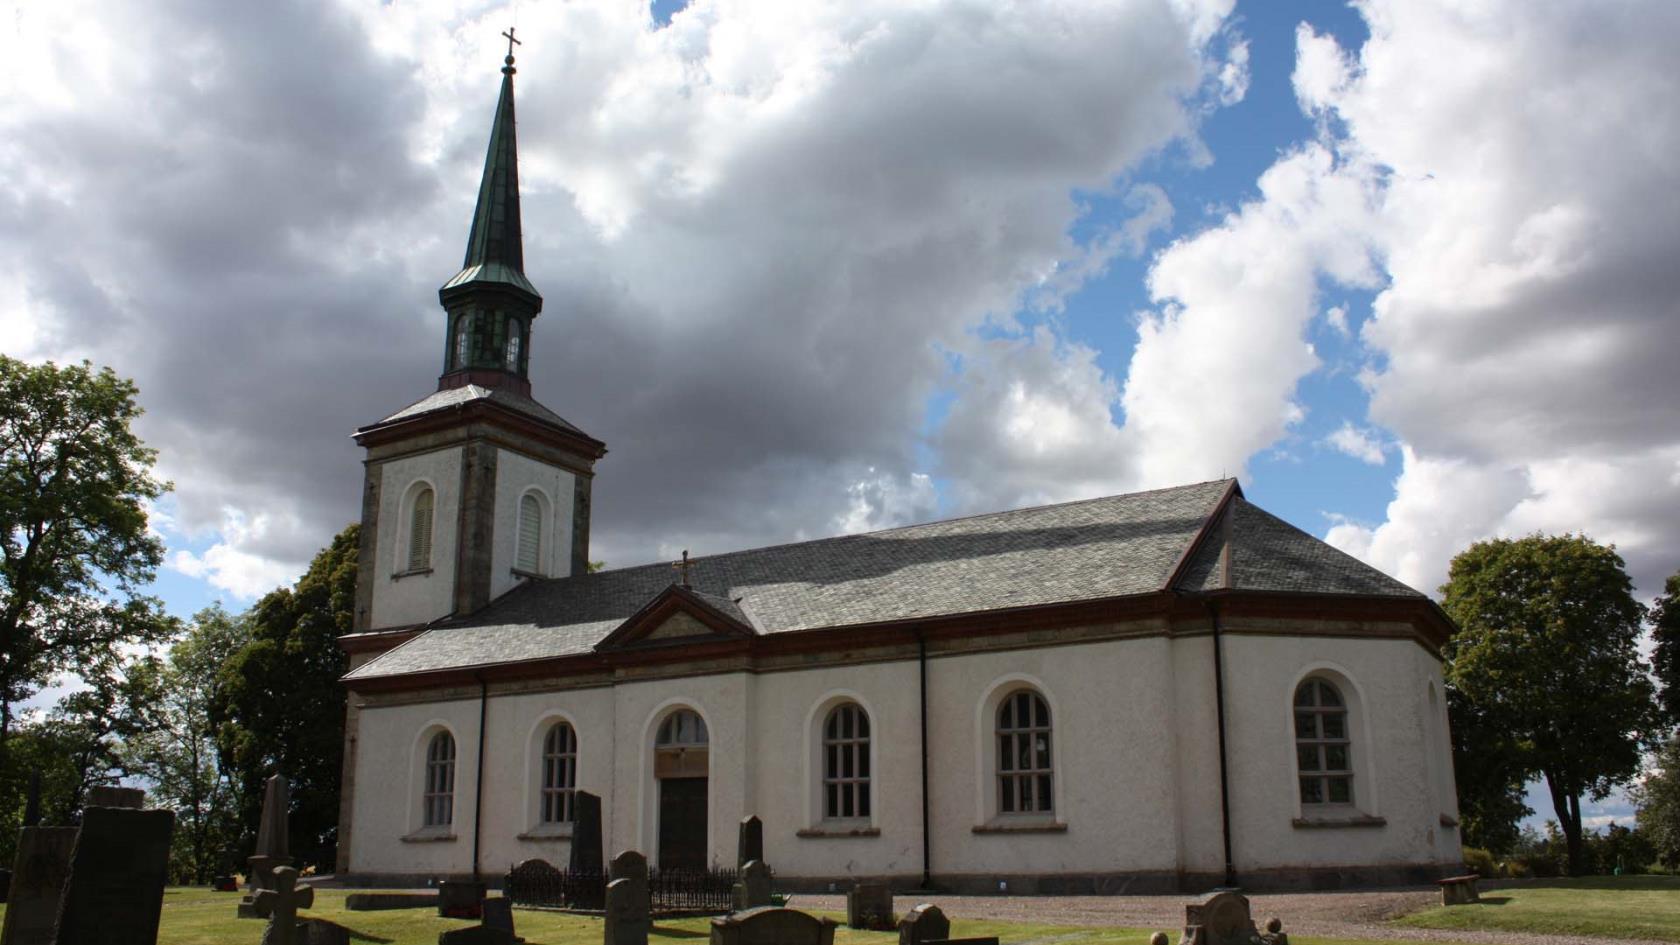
468	393
1269	554
1088	550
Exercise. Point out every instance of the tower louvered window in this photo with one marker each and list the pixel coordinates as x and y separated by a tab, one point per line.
529	558
420	532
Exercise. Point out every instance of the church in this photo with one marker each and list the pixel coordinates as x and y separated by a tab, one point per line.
1157	692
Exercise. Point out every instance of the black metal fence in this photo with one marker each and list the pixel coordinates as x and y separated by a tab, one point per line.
539	883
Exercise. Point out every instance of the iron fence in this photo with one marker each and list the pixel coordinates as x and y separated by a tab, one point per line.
670	892
675	891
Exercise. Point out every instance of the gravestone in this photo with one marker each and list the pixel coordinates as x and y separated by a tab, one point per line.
770	925
982	940
498	915
114	893
272	842
280	905
869	906
752	890
630	864
1222	918
494	928
5	884
627	921
104	795
533	882
382	901
923	924
586	853
322	932
38	874
749	841
461	899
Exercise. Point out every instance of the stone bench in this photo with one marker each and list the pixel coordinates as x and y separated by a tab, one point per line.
1458	890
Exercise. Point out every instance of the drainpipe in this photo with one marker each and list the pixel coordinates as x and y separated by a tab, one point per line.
478	792
1224	780
927	829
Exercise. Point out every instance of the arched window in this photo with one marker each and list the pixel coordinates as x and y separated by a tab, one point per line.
1024	767
1321	744
559	774
846	762
681	728
511	358
439	800
420	531
529	558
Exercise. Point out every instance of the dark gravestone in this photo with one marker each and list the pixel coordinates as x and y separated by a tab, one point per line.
987	940
128	798
114	894
769	925
587	854
272	842
458	899
1222	918
225	882
627	921
5	884
923	924
749	841
870	906
280	905
322	932
752	890
380	902
38	874
498	914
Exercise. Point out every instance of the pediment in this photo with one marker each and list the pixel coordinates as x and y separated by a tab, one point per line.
677	616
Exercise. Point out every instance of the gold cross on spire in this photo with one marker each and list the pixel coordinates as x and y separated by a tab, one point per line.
683	566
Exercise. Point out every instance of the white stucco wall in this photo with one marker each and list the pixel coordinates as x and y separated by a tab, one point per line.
400	599
1135	754
517	474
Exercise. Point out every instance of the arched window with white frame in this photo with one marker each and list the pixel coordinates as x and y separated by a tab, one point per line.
1025	772
559	773
529	555
846	778
437	803
1323	748
420	529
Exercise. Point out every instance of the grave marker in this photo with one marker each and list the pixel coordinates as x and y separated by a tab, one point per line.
769	925
749	841
627	921
105	795
752	890
869	906
922	924
38	874
280	905
272	843
114	893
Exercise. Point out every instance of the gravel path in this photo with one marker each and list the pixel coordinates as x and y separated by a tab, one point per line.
1340	914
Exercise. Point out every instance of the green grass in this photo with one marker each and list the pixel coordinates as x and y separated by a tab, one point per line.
1624	907
196	916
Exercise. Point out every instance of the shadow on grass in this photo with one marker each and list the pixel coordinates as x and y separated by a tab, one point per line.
666	931
1490	901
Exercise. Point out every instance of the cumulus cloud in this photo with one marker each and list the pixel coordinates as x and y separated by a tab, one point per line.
1360	443
760	230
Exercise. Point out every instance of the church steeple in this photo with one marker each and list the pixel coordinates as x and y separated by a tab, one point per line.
490	302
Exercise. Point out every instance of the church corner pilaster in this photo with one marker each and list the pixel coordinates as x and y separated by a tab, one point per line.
580	524
367	549
476	526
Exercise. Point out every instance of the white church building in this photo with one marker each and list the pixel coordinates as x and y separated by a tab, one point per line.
1162	691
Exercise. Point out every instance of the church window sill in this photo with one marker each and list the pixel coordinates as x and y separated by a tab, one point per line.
415	572
430	835
1022	826
1320	822
837	831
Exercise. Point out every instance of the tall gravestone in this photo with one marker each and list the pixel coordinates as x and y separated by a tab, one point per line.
924	923
870	906
627	920
114	893
105	795
749	841
752	890
38	874
587	853
272	843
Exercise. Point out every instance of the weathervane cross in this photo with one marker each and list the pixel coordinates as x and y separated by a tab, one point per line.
683	566
511	40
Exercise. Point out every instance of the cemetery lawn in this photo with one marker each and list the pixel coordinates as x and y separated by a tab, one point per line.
197	916
1622	907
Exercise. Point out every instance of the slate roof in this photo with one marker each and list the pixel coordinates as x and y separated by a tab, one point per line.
466	394
1076	551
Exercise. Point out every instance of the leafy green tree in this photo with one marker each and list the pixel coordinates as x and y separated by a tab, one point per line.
280	706
74	550
177	752
1665	661
1490	778
1657	800
1547	652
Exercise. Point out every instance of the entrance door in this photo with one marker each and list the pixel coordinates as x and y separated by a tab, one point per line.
682	824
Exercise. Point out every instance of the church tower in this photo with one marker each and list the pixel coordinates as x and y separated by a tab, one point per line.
476	487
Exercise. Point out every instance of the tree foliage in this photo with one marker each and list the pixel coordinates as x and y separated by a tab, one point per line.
74	549
1665	661
1547	655
280	706
1490	776
1657	800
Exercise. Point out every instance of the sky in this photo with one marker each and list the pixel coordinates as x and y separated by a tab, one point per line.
1405	267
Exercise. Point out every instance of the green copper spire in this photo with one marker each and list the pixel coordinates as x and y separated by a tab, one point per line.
495	251
490	302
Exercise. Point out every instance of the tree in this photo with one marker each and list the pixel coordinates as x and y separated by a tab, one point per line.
178	753
1657	800
281	708
1490	778
1547	652
1665	661
74	549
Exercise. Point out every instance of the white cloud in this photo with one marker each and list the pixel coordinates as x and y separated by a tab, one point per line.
880	501
1357	442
